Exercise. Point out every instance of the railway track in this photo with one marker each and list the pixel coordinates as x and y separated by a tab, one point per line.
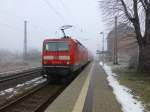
35	100
18	78
7	77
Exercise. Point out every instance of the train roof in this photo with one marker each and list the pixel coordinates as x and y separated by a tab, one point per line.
57	39
64	39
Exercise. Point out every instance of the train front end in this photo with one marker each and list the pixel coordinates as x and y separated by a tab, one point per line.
56	58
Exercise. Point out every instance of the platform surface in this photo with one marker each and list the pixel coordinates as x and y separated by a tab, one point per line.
89	92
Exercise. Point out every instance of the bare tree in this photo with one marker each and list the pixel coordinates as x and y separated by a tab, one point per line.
137	13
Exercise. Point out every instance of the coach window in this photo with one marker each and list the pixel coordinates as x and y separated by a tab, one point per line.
63	46
46	47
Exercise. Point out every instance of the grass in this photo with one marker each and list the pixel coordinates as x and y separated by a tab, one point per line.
139	84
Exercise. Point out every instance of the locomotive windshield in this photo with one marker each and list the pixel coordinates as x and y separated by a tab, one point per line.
56	46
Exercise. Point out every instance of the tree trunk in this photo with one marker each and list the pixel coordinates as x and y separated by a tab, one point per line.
144	59
144	48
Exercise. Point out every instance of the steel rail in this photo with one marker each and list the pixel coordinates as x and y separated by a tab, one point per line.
23	96
19	75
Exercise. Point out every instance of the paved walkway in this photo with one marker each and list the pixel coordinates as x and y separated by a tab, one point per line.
89	92
103	97
67	100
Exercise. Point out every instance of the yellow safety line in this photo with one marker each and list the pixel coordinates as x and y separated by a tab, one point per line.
82	96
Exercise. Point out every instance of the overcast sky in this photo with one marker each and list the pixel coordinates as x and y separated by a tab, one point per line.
44	19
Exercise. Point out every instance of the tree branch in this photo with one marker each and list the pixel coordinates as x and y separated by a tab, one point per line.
126	10
143	4
146	1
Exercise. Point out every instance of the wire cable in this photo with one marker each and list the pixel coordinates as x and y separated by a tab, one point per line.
55	11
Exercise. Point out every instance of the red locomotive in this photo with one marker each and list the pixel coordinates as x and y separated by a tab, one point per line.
63	56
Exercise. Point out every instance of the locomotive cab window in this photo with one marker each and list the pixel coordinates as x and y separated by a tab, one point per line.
56	46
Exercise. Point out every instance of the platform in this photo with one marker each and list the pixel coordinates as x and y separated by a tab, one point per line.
89	92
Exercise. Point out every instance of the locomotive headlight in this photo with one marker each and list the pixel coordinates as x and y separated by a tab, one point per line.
64	57
48	57
67	62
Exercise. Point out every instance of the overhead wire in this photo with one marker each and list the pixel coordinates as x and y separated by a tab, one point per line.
66	8
75	23
51	7
12	27
21	19
60	15
77	26
55	11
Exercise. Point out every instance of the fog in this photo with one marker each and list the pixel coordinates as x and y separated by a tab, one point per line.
45	17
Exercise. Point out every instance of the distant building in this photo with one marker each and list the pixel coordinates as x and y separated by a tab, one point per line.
127	44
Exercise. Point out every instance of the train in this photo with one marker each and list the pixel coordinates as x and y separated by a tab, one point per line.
63	56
